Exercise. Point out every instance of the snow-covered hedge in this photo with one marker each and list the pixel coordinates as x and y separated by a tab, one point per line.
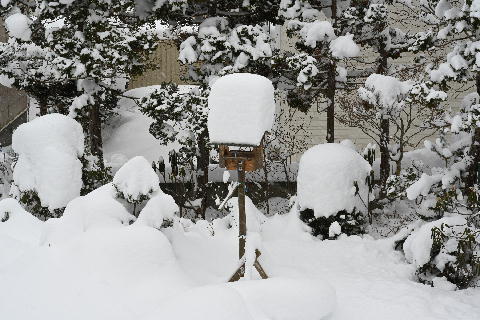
326	180
48	166
332	189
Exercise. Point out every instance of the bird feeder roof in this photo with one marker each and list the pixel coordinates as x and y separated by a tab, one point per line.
242	109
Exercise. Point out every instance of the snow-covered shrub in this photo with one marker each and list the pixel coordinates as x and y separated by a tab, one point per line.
159	211
48	172
332	186
448	247
136	181
328	227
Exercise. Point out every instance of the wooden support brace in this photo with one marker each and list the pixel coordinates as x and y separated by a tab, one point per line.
241	270
258	266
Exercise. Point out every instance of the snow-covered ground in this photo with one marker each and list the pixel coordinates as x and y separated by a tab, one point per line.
118	271
93	264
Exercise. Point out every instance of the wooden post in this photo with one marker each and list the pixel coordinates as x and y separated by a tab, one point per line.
242	218
242	229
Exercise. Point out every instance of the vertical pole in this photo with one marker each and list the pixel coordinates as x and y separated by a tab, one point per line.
332	85
242	218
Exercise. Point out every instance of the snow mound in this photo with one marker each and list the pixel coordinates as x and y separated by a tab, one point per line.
17	223
275	298
98	209
121	253
160	208
242	109
418	245
136	178
326	177
289	225
48	149
119	273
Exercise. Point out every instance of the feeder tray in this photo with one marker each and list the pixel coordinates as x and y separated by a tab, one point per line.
252	159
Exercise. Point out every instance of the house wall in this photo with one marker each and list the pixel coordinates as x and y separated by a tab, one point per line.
13	105
7	130
167	67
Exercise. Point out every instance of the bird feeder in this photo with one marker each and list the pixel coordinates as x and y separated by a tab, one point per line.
242	110
252	157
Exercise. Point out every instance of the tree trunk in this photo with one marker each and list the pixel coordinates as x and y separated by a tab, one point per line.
203	160
267	184
331	104
474	166
331	87
95	133
384	133
42	104
384	154
43	109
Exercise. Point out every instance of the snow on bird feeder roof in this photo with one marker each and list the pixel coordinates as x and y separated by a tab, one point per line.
242	109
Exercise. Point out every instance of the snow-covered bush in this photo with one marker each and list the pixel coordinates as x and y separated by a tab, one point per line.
136	181
332	186
449	248
159	211
331	227
48	172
